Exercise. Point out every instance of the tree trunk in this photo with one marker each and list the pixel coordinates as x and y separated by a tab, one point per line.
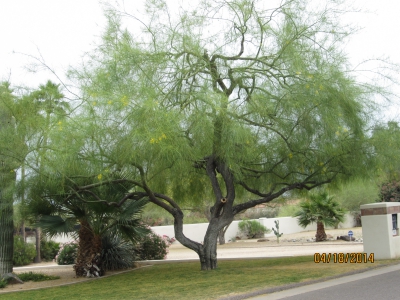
208	252
88	262
37	237
7	180
320	235
6	235
23	231
221	234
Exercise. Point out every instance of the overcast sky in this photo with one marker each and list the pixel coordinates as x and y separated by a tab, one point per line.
63	30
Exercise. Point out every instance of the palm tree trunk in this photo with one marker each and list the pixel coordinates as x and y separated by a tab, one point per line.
320	235
88	262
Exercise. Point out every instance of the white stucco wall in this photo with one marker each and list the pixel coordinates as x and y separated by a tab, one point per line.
287	225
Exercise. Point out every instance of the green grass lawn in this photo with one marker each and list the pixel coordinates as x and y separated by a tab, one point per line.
186	281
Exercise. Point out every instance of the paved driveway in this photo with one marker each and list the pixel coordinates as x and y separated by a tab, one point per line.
381	283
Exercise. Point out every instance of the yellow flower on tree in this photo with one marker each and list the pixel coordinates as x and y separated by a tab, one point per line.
99	177
124	100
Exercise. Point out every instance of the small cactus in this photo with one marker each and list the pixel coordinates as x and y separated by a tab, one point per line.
276	231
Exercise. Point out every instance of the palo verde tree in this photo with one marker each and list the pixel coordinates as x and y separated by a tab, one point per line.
230	100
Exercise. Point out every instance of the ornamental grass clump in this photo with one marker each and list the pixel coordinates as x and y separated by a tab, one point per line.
117	253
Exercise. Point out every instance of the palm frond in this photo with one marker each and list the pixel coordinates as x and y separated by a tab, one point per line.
54	225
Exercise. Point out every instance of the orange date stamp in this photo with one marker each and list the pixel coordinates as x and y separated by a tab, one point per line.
344	258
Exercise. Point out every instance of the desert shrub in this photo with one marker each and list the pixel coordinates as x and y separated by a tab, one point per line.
48	249
152	246
117	253
252	229
3	283
389	191
24	253
67	253
30	276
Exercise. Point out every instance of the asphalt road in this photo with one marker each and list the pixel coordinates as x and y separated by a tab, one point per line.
381	283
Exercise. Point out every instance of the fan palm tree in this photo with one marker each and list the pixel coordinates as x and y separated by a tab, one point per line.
91	206
321	209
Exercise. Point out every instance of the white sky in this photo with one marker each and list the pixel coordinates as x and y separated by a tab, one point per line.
62	30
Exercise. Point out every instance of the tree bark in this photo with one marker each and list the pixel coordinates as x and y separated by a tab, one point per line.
7	180
6	235
208	251
221	236
320	235
88	262
23	231
37	237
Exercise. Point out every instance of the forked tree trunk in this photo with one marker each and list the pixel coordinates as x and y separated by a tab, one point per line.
221	234
320	235
88	262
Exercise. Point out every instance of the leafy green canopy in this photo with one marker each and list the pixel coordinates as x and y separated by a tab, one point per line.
252	100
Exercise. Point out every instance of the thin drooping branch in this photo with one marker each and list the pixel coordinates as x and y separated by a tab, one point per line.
131	196
298	185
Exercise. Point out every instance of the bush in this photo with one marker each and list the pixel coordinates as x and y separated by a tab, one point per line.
3	283
36	277
48	249
117	253
67	253
24	253
152	246
252	229
389	191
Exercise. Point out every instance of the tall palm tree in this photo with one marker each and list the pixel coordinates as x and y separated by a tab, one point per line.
48	100
321	209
